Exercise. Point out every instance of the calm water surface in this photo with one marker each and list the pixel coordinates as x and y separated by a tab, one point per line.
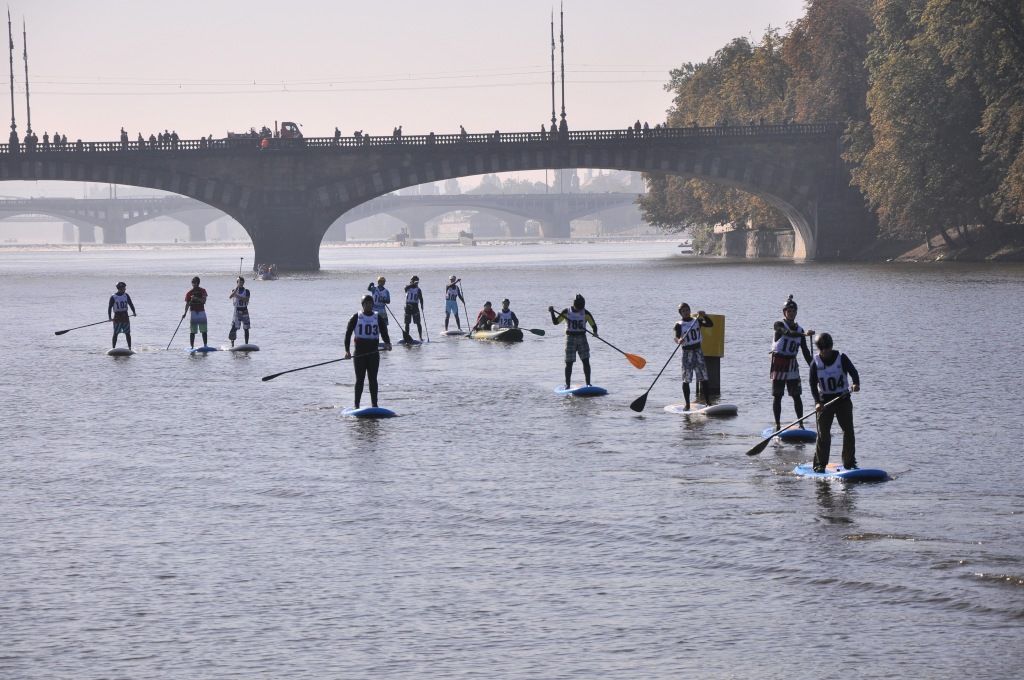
173	516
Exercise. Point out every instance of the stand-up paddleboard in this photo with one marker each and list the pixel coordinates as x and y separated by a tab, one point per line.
410	342
247	347
719	410
582	391
201	350
499	335
454	332
369	412
792	436
119	352
836	471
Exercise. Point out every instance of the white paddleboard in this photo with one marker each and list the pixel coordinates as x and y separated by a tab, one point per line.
454	332
119	352
247	347
700	410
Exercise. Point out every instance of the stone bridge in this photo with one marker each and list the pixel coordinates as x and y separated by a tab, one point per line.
554	211
114	215
286	193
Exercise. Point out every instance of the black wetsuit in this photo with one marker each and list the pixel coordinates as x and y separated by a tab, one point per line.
841	411
366	358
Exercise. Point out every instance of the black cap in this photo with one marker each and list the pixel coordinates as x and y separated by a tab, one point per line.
790	304
121	284
824	341
366	298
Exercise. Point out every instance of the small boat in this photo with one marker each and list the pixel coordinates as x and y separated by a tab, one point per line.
499	335
686	248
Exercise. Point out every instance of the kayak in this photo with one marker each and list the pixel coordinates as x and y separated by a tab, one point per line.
499	335
836	471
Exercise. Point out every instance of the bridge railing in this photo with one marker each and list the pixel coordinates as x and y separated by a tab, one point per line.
255	145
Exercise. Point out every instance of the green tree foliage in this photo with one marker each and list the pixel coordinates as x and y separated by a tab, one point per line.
982	41
742	82
814	73
918	162
825	52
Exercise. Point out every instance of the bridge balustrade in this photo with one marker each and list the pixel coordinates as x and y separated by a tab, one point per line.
249	144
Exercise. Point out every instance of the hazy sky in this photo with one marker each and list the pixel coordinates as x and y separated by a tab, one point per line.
211	66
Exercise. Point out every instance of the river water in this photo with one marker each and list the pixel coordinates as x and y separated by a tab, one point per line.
173	516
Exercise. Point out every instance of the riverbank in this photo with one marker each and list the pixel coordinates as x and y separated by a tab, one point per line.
977	244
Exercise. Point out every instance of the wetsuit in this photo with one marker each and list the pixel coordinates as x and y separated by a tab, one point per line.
828	381
368	332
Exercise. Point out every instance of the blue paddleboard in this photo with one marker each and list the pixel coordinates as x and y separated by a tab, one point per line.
201	350
582	391
369	412
410	342
793	436
119	352
836	471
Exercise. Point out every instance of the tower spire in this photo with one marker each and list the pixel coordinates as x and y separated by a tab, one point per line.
561	37
28	104
554	121
10	39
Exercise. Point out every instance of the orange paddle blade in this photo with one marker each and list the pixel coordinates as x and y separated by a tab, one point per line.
636	360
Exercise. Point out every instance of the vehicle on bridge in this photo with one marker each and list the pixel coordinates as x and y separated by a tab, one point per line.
288	134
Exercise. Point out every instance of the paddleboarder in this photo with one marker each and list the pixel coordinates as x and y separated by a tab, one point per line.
828	377
576	319
790	339
119	304
195	302
240	319
506	317
368	330
381	299
413	305
452	295
485	318
688	334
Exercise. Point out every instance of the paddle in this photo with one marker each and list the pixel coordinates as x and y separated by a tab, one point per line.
406	338
536	331
240	265
635	359
175	332
423	313
640	402
764	442
322	363
85	326
464	310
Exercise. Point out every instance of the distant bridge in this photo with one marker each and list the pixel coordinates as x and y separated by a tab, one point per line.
554	211
114	215
287	193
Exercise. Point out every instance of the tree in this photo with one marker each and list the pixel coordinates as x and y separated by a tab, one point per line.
918	161
982	41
